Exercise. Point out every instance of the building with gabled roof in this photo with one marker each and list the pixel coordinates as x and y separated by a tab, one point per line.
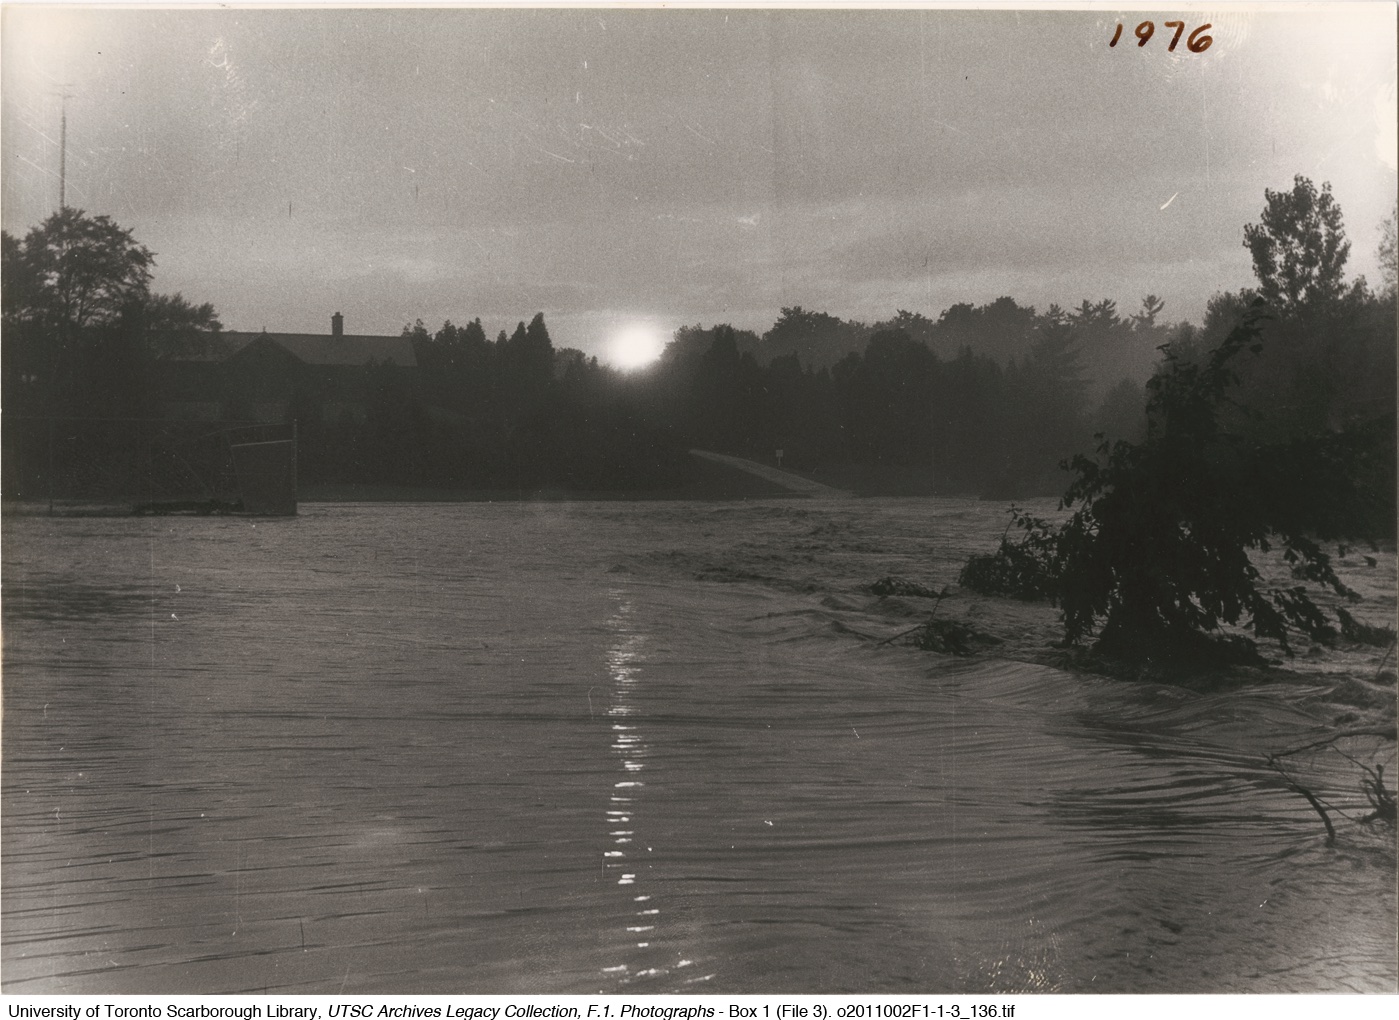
264	376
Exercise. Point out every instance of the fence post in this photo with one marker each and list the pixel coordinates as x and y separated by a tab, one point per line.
295	436
50	466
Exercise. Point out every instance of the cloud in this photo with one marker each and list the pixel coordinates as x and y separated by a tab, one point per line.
715	164
523	298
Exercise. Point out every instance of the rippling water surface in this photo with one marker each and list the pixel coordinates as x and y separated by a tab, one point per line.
621	747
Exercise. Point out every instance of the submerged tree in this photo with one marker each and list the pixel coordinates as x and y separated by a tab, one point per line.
1159	547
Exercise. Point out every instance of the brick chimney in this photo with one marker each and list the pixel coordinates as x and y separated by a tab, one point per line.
337	325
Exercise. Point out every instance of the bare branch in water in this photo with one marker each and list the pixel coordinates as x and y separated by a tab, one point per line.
1387	734
1297	787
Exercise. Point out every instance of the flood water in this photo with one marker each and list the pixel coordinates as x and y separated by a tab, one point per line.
633	747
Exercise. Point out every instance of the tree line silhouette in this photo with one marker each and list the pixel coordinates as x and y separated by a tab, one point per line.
1280	435
875	407
985	399
893	414
510	415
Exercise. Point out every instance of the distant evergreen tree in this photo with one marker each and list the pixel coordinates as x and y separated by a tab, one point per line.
974	427
1151	308
1046	404
723	406
887	395
1122	413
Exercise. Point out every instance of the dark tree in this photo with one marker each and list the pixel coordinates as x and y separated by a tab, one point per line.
1329	344
82	326
1151	308
973	434
74	271
19	283
722	408
1389	252
816	338
525	368
886	395
1299	249
1045	403
915	324
540	346
172	326
1094	320
1122	413
1002	330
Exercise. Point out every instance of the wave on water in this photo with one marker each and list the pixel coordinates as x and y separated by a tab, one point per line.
628	746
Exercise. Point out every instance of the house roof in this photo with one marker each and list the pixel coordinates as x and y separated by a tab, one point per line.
324	349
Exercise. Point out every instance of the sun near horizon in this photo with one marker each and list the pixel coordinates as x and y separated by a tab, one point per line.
635	346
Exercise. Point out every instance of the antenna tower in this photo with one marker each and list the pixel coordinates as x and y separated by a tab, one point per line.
63	150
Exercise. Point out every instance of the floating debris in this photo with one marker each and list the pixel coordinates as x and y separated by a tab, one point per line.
887	586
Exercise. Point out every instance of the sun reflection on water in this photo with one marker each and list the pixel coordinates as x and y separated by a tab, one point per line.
628	743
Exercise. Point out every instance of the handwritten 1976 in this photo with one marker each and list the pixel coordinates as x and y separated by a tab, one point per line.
1196	42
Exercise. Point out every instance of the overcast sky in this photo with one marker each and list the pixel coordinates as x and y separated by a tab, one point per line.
609	167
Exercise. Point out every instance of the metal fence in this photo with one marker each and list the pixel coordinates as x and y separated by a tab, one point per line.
86	465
